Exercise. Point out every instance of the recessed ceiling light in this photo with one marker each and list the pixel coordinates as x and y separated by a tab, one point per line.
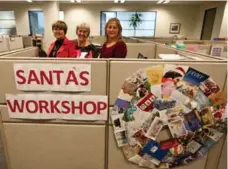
166	1
116	1
160	1
29	0
122	1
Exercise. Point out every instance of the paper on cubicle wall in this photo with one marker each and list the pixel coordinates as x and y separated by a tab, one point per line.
52	77
57	106
217	50
171	57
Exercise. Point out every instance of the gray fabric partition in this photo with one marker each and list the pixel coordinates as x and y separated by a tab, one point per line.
120	70
28	142
147	49
25	52
4	44
15	43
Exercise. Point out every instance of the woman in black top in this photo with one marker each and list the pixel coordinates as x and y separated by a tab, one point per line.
84	48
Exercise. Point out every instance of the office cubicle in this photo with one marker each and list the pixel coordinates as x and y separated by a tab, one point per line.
25	52
195	46
27	142
57	143
16	47
120	70
4	46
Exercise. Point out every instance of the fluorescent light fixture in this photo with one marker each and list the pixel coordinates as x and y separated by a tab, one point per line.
166	1
78	1
122	1
160	1
29	0
116	1
72	1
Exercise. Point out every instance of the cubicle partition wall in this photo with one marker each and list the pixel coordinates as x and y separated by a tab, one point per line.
197	46
120	70
27	41
12	45
15	43
146	49
53	144
97	39
4	45
58	144
193	47
25	52
101	39
162	49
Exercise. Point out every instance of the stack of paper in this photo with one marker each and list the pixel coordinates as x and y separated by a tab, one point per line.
171	57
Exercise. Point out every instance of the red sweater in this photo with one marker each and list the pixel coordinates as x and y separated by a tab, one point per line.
119	50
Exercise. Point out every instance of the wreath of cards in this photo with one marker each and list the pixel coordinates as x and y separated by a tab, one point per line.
175	102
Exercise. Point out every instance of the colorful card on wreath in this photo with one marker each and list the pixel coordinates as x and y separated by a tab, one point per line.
194	76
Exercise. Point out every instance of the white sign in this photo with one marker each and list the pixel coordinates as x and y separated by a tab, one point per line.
56	106
52	77
216	50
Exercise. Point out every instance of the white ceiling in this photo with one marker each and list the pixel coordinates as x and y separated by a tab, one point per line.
126	1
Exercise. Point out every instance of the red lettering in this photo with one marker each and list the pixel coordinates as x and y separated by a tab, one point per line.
29	106
44	77
58	72
54	106
71	78
32	77
43	106
65	106
83	77
74	107
85	107
101	106
16	106
23	79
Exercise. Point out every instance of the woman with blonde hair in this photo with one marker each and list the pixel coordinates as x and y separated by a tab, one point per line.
114	47
84	48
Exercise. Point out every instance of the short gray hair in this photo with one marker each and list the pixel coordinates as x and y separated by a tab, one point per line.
83	25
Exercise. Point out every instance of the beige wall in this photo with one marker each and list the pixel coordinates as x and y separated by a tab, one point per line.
223	30
166	14
190	16
51	14
218	18
74	13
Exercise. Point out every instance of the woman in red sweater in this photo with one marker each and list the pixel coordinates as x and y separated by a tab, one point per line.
61	47
114	47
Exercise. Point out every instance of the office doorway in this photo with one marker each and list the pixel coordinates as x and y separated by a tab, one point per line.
208	24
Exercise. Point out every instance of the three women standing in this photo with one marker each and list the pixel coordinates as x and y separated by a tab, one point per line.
114	46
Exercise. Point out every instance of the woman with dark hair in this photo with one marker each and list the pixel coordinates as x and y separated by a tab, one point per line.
114	47
61	47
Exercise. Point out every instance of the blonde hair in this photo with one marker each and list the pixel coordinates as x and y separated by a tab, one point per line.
60	25
117	21
85	26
